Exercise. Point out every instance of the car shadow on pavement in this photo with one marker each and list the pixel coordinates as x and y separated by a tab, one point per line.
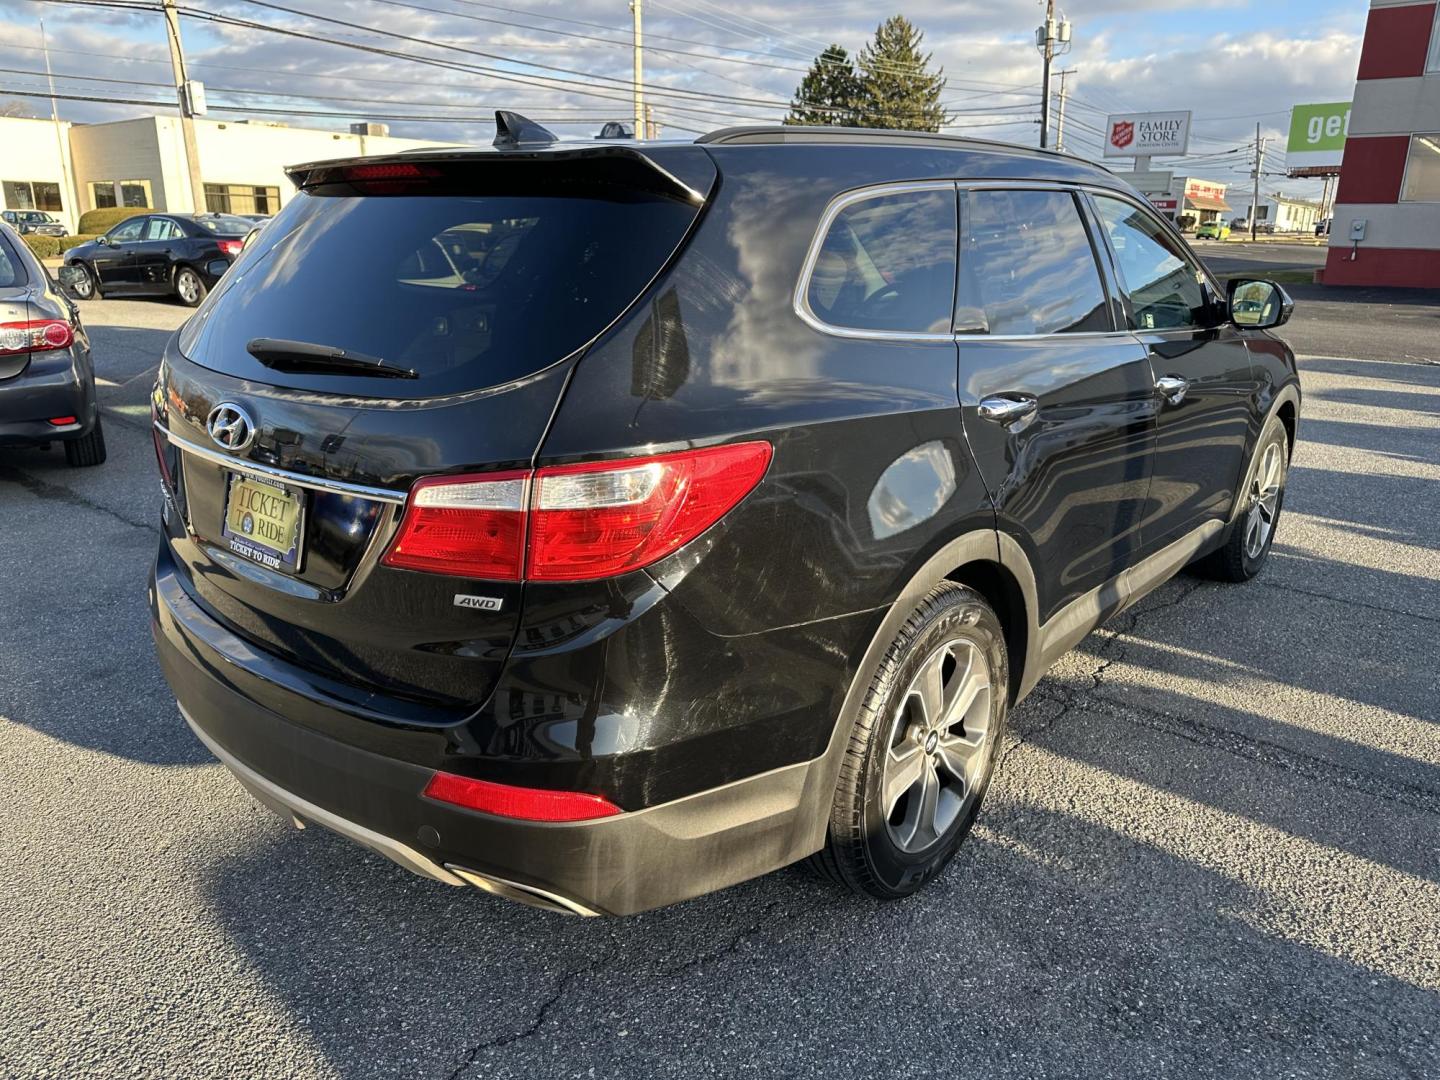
1403	400
1397	370
1048	937
1395	509
1375	438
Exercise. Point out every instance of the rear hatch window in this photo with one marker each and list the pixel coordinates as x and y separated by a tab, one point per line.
465	291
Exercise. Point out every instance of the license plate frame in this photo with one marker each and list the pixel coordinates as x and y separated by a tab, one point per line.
247	545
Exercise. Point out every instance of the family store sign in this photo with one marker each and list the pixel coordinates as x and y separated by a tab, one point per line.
1144	135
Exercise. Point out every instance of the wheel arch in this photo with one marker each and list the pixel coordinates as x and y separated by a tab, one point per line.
982	559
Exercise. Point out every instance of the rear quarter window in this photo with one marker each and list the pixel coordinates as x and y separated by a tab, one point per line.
469	292
887	263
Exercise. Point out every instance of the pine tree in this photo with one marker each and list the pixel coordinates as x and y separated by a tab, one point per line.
827	93
897	89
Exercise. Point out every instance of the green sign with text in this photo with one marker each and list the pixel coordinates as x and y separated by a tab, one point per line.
1317	129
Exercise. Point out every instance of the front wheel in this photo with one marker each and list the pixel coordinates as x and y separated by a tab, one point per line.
923	748
188	287
1251	534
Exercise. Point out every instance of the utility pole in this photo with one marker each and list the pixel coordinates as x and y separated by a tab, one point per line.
187	116
1052	39
639	75
67	174
1255	196
1060	124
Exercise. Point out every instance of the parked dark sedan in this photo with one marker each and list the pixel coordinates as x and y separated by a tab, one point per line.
33	221
47	386
604	525
180	255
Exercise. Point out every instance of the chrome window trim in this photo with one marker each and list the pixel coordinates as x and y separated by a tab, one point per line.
314	483
801	299
801	303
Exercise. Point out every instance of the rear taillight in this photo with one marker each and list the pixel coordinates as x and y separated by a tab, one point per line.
35	335
470	526
573	522
506	800
230	247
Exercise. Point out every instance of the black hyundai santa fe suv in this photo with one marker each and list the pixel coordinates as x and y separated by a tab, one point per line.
603	525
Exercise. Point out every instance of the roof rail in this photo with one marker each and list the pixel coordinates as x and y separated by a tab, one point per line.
801	133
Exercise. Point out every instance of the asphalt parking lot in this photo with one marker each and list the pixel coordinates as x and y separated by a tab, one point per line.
1212	849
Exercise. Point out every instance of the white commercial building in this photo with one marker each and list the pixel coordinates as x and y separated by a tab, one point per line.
1288	214
67	168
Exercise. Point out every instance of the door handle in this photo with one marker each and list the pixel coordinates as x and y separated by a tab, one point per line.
1006	409
1172	388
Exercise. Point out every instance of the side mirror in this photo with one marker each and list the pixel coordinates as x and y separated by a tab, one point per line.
103	240
1257	304
70	278
216	267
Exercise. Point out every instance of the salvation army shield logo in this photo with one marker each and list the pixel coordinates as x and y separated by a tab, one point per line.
1122	134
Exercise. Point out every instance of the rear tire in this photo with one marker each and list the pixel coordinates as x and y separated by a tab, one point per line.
189	289
89	288
89	449
935	711
1250	536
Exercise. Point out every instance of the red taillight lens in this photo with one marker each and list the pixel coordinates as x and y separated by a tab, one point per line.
469	526
597	520
35	335
505	800
230	247
573	522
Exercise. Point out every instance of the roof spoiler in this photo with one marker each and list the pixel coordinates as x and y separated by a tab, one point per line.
522	163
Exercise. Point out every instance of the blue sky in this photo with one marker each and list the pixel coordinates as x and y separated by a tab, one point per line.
1232	64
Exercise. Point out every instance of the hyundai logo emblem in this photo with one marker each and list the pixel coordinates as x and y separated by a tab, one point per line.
230	426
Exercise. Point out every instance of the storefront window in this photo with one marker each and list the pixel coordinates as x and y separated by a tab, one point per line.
1422	169
31	195
135	193
241	199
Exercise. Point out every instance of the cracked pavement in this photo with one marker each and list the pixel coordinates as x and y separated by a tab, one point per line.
1212	849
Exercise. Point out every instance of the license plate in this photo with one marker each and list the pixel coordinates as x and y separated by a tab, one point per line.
263	521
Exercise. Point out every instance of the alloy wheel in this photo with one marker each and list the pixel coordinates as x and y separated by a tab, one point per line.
1264	500
938	746
85	287
188	286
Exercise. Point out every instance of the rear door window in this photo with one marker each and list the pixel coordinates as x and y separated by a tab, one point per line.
887	263
162	229
468	292
1163	284
1027	266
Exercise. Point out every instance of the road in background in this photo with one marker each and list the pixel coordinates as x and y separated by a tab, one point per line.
1212	848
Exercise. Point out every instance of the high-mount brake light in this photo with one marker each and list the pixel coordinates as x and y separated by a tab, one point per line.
35	335
506	800
573	522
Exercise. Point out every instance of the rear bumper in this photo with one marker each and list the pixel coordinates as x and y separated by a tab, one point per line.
54	385
617	866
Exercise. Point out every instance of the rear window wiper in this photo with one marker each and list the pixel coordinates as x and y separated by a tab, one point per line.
306	357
